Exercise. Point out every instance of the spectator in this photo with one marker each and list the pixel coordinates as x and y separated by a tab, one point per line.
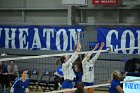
12	71
4	76
131	65
12	68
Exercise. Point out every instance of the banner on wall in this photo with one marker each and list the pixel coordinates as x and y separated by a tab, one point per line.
39	37
74	2
131	87
131	2
121	37
104	2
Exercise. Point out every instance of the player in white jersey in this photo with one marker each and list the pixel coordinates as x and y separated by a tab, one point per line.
67	68
88	68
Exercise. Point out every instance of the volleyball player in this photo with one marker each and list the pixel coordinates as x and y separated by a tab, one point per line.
115	83
59	77
88	68
21	84
80	88
67	69
78	74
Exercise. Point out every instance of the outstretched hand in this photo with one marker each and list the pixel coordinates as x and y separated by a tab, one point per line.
97	45
78	46
102	45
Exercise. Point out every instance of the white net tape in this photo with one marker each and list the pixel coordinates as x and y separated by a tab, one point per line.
62	54
51	55
94	86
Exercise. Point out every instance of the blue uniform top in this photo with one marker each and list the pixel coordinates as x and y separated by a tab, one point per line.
114	84
59	71
78	77
20	86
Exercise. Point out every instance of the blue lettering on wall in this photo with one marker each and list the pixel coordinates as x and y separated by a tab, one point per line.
132	86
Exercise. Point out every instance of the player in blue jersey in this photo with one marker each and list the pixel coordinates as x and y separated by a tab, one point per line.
80	88
59	77
78	74
21	84
115	83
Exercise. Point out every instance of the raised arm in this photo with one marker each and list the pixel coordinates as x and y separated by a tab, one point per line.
89	54
78	47
93	60
75	55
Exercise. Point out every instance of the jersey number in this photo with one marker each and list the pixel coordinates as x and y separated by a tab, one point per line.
90	68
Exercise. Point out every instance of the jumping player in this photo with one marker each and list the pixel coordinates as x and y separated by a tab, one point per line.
67	69
88	68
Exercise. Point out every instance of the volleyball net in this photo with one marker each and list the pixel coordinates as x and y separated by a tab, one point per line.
106	63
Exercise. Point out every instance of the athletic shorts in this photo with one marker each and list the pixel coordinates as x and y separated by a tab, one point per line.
88	84
67	84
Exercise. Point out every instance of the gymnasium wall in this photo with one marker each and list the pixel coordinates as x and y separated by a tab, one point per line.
53	12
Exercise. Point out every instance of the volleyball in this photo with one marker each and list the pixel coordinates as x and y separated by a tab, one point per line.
111	49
